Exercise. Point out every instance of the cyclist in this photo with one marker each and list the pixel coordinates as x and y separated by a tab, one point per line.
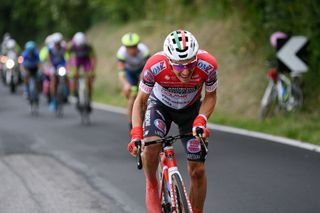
132	55
82	55
170	91
6	38
44	56
56	59
30	64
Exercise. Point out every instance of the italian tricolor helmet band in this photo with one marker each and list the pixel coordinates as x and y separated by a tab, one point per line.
180	45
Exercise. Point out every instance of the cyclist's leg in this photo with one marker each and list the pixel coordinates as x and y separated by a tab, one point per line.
155	126
53	89
196	159
133	79
73	76
90	75
25	75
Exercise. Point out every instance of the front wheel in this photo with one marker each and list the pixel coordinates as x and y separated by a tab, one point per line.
268	101
182	204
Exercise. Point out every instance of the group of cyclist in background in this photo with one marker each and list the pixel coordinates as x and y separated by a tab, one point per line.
43	64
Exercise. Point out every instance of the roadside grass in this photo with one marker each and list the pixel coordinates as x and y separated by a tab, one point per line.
300	125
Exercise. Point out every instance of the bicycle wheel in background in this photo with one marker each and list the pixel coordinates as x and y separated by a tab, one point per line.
179	195
33	96
297	92
268	101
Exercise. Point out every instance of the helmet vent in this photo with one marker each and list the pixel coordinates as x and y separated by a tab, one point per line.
181	51
183	56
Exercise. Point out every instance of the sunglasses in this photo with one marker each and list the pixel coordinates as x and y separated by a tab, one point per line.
181	67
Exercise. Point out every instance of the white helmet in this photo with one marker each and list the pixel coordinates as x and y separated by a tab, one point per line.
11	44
57	37
79	39
180	45
49	40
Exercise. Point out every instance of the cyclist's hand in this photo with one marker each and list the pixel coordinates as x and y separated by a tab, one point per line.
132	147
200	122
136	134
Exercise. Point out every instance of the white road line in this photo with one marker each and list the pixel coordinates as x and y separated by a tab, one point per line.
222	128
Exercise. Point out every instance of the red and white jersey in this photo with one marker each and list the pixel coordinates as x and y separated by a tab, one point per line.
157	77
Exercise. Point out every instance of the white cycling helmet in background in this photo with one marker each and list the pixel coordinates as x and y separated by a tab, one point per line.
11	44
49	40
180	45
57	37
79	39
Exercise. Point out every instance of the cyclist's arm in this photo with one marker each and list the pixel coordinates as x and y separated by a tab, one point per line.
121	73
208	103
93	58
139	108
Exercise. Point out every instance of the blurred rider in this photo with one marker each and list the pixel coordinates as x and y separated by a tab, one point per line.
56	59
30	64
46	73
132	56
6	38
82	56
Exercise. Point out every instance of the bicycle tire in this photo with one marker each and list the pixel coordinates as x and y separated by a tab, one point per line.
267	108
297	92
180	197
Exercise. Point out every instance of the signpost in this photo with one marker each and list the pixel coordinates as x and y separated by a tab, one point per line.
288	54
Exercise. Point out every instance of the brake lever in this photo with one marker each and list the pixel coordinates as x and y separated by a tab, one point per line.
138	157
199	132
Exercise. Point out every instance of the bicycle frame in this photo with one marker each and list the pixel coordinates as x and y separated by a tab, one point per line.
169	167
169	172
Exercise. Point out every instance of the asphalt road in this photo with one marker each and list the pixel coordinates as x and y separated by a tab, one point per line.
49	164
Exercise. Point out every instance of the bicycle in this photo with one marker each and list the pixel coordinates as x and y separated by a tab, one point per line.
282	92
33	95
83	102
62	90
172	192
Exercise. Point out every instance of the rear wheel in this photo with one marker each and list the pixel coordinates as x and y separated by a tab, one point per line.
179	195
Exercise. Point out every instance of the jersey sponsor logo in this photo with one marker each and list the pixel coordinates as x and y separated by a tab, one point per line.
204	66
193	145
148	76
145	88
193	157
160	124
178	90
167	77
147	118
158	67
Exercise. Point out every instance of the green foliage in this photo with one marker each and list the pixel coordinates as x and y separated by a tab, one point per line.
34	19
